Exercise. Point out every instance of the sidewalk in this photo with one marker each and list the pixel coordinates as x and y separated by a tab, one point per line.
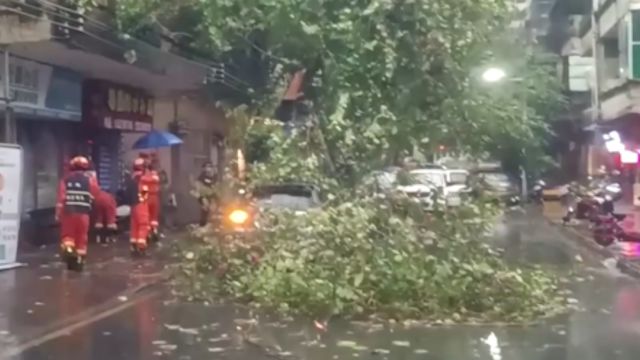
627	254
43	295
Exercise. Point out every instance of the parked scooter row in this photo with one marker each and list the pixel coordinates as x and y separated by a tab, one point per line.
592	201
595	202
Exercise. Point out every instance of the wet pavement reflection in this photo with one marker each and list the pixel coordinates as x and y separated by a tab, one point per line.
604	325
43	296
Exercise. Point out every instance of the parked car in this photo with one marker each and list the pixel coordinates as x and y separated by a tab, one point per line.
499	186
447	186
383	180
243	215
295	197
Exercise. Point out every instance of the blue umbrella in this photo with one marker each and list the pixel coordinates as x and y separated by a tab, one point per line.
157	139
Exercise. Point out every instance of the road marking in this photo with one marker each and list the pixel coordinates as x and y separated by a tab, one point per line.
85	318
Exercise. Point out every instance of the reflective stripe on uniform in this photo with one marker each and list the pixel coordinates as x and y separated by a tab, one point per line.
77	203
79	192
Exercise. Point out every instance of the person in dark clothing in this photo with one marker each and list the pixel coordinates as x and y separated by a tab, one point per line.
206	183
136	195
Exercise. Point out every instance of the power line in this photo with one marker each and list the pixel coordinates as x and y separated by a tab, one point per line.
22	13
66	16
109	28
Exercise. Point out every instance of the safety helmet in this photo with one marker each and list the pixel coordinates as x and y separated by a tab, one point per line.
79	163
139	164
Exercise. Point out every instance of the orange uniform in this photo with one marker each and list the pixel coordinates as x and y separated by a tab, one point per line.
138	199
104	211
76	194
151	180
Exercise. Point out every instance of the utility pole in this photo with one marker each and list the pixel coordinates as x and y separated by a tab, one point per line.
8	110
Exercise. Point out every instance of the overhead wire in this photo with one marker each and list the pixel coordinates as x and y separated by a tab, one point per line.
107	27
217	67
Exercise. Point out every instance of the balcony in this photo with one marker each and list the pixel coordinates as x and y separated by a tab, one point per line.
20	26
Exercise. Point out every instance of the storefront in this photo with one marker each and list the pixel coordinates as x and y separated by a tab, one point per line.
114	117
46	104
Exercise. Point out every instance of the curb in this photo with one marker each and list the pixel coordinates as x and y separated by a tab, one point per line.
585	241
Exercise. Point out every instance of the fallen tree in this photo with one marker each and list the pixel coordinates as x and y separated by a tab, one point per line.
372	256
365	254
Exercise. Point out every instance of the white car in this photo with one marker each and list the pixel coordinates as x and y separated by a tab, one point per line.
450	184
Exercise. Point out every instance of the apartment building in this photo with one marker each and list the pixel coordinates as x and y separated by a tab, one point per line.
599	43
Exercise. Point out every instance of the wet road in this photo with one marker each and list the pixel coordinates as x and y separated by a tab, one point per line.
604	326
43	297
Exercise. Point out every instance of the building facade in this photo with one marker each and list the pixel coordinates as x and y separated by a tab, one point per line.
76	87
599	44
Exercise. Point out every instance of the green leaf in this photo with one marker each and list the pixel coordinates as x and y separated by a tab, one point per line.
357	281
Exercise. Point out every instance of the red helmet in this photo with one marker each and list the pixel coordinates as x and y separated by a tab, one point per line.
139	164
79	163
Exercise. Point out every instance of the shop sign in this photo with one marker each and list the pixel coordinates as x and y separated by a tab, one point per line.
119	107
126	125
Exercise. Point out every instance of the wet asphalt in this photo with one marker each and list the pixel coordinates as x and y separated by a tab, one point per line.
150	324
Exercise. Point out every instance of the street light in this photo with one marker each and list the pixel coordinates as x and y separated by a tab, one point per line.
495	75
492	75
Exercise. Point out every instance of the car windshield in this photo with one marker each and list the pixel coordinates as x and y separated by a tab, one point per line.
284	197
428	178
458	178
385	180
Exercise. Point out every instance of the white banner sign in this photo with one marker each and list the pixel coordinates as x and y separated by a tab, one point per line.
10	203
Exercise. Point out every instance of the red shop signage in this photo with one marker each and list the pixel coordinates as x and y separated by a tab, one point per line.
112	106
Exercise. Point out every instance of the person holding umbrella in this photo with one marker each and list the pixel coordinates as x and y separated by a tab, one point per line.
136	195
148	178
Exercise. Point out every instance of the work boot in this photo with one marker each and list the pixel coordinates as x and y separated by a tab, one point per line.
67	251
81	260
139	248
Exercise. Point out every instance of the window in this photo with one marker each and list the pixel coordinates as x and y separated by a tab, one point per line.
150	107
113	99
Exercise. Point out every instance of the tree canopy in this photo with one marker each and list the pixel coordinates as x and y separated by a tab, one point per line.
383	76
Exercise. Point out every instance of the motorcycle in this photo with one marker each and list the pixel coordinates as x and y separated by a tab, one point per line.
235	216
608	229
590	204
537	191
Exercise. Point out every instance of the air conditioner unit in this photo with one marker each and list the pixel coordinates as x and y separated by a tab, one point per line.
179	128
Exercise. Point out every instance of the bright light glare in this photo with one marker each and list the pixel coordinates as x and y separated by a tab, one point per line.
614	146
628	157
238	216
492	75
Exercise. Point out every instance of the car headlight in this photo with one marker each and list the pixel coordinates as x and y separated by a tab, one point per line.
238	216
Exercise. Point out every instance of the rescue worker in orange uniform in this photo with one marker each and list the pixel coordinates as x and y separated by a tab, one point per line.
105	217
76	194
137	197
151	179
